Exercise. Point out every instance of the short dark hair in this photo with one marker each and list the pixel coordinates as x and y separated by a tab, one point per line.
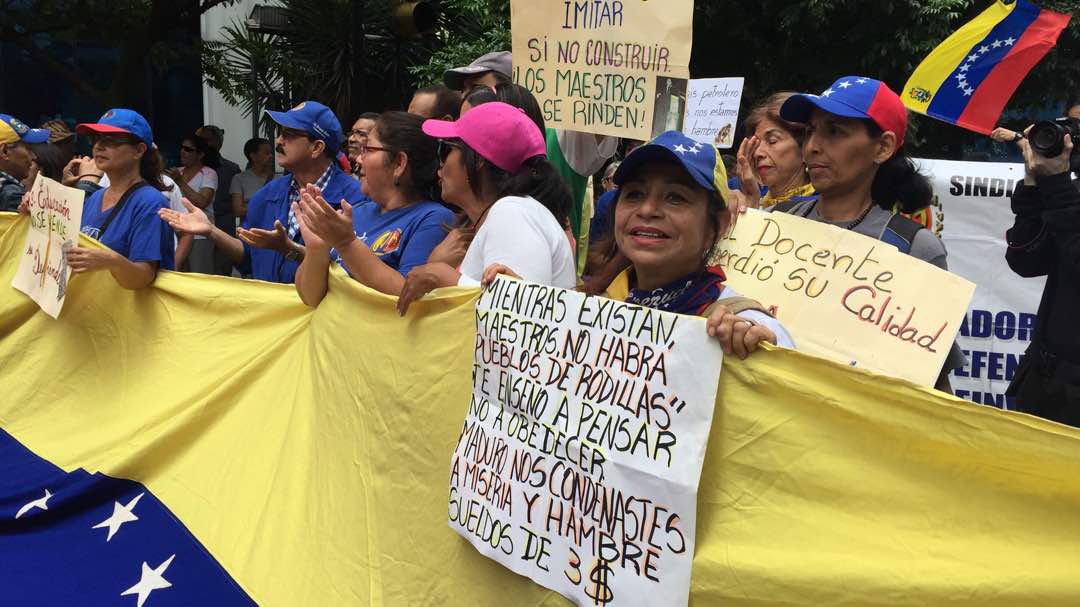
372	116
1073	102
215	130
447	100
252	145
211	158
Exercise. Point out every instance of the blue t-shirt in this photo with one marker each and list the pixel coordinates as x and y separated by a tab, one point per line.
136	232
402	238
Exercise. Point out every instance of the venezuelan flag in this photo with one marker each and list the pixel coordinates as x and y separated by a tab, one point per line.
968	79
215	442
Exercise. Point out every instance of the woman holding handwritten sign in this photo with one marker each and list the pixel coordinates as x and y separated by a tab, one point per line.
494	167
124	216
671	209
855	157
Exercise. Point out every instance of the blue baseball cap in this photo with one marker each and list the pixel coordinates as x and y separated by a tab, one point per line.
12	130
313	118
119	120
852	97
700	160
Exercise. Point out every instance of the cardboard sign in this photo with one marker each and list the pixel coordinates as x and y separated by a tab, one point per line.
612	67
55	217
971	212
579	460
712	109
846	296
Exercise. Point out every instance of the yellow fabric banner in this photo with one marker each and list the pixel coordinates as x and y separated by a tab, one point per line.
308	451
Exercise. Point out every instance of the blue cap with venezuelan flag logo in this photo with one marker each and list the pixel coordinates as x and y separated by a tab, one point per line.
852	97
700	160
119	120
12	130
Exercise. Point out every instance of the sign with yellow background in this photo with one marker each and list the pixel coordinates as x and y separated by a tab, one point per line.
611	67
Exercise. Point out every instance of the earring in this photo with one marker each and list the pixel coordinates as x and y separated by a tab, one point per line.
397	182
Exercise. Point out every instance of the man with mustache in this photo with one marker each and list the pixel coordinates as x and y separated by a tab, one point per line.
270	247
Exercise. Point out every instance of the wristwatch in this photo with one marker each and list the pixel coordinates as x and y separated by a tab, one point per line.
293	255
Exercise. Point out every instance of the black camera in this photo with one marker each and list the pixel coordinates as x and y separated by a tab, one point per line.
1047	138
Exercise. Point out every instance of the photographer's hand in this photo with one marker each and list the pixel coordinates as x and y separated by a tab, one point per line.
1004	135
1036	165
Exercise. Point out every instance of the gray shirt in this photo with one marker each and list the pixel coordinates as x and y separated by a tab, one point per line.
247	183
925	246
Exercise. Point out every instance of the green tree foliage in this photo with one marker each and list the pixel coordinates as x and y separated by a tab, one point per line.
804	45
340	52
467	29
143	30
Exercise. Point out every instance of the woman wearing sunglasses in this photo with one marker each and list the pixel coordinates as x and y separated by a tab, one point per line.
124	216
494	168
380	241
197	179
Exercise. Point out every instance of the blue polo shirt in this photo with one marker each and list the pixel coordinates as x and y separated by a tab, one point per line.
136	232
402	238
271	203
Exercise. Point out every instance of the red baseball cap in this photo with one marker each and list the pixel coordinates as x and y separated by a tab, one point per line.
853	97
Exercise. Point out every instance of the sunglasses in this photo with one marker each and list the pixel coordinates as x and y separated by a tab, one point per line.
445	147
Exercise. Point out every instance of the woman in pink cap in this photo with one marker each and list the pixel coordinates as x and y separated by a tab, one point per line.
494	167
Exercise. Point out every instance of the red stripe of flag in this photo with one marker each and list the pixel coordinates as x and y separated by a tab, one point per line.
989	99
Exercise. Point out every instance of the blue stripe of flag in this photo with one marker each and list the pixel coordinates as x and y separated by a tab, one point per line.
950	101
61	554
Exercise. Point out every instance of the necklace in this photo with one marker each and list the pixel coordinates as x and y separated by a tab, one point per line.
480	219
851	226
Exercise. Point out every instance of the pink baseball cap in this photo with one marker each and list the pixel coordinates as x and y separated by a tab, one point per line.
501	133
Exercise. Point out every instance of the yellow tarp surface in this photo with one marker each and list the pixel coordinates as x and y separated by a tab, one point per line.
308	450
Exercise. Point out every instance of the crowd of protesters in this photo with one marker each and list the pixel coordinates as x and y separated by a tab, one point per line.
469	183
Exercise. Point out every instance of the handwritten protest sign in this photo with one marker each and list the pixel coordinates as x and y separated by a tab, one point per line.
55	216
712	108
594	65
579	460
846	296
